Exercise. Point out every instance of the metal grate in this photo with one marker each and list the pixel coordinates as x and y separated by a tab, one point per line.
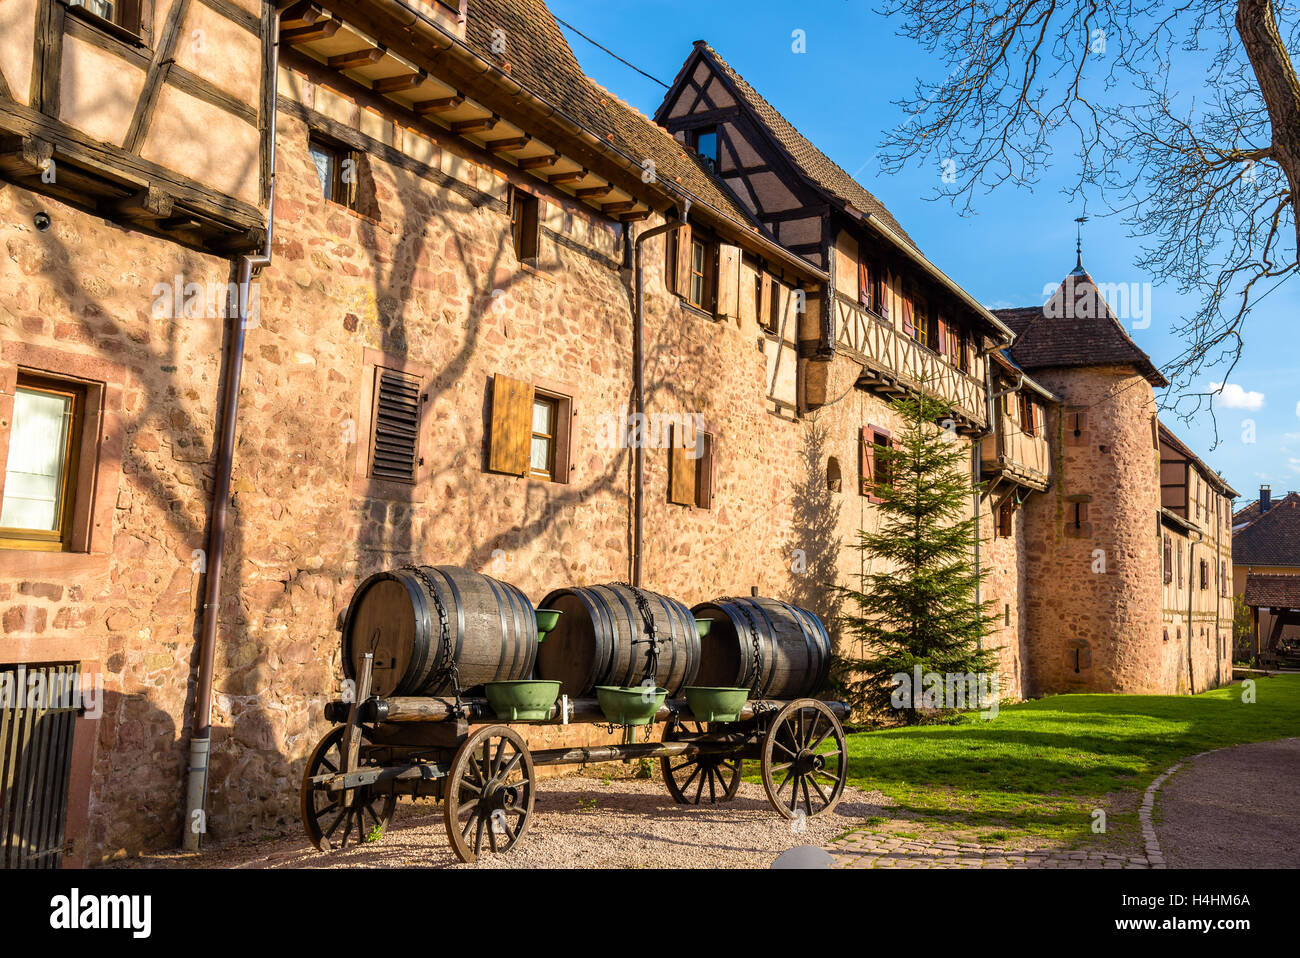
395	449
35	762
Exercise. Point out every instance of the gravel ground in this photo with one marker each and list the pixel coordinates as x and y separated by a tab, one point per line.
1235	808
577	822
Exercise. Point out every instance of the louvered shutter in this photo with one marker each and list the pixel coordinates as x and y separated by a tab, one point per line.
681	471
512	417
395	430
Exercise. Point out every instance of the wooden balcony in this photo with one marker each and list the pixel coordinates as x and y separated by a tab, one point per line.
1010	453
894	364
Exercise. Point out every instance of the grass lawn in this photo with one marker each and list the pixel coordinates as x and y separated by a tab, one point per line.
1034	774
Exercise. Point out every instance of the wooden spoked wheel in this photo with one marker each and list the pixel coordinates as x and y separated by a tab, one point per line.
805	761
337	819
692	779
488	800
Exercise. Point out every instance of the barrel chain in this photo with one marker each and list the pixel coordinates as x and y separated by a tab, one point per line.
447	660
754	644
652	637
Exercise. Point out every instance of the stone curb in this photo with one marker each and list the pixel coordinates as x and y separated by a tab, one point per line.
1154	855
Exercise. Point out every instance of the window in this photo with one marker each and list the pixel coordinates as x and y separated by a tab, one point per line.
1169	559
525	226
336	169
834	480
963	351
866	284
705	142
41	472
921	323
692	265
698	277
691	467
1028	419
877	469
1076	516
121	13
541	460
1180	564
529	430
1205	575
395	426
1006	515
1076	426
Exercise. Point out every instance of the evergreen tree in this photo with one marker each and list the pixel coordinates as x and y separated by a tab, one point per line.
919	609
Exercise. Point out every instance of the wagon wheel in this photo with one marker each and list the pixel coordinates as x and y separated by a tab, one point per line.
489	793
804	751
720	772
331	818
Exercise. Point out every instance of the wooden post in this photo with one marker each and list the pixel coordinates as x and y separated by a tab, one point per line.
350	747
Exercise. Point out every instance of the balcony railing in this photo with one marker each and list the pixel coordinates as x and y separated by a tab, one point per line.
877	345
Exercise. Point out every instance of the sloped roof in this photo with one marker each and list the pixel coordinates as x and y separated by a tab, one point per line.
812	162
1075	327
1272	591
1210	476
1273	538
538	56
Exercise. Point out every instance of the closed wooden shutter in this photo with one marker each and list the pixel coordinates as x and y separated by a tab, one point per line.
909	325
864	283
512	417
683	284
765	301
1169	560
681	471
945	346
704	469
728	281
395	434
866	461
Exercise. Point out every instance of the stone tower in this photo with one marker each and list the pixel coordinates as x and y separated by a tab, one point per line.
1093	569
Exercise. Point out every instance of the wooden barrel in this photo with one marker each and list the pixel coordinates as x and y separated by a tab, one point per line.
604	638
487	628
794	648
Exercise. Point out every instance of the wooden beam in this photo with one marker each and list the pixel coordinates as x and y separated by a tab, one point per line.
508	145
154	78
397	84
634	217
358	58
480	125
304	12
572	176
25	155
47	56
594	192
310	34
614	209
442	105
538	162
149	203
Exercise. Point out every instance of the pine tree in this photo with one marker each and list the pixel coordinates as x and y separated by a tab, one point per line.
919	609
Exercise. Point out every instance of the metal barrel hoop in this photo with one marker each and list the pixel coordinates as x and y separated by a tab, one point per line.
754	643
446	659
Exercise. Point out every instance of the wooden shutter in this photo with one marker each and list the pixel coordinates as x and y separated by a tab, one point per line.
395	426
512	422
883	294
866	459
909	325
681	470
704	468
1169	560
683	287
945	345
765	301
728	281
864	283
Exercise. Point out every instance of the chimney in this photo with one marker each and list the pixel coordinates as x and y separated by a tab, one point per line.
1265	499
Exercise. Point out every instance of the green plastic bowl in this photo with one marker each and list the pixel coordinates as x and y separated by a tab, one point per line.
635	705
546	622
523	700
715	704
702	626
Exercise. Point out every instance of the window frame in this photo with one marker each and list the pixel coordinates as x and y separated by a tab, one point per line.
553	403
342	193
525	211
693	141
364	483
128	22
59	539
373	437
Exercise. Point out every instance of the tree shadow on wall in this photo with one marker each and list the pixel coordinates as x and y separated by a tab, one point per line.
814	548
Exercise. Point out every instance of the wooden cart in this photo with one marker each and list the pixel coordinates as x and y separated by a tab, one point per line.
456	751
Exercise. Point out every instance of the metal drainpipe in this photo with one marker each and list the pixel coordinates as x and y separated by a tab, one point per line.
1191	596
638	385
977	467
196	792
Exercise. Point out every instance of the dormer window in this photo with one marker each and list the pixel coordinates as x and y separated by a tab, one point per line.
704	141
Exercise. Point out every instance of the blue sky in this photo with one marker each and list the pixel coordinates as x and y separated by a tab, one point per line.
1018	241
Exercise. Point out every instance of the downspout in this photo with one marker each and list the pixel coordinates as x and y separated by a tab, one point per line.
194	824
638	387
1191	596
977	466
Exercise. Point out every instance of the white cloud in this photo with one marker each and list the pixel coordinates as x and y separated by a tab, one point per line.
1234	397
1297	409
